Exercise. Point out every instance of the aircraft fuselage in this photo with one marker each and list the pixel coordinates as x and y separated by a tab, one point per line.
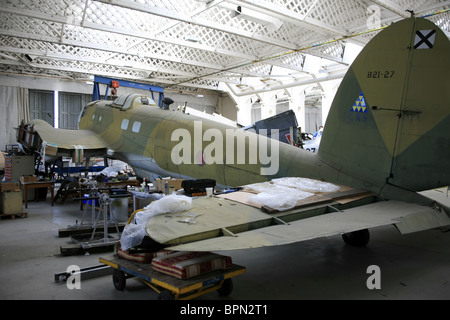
169	143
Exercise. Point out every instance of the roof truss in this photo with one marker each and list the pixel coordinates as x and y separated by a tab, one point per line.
187	43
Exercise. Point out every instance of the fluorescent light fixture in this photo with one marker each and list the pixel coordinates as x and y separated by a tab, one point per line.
269	81
192	38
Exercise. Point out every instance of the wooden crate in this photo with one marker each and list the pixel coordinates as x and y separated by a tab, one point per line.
175	184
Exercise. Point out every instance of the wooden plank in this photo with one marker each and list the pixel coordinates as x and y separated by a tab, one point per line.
74	230
77	249
344	195
14	215
241	197
71	250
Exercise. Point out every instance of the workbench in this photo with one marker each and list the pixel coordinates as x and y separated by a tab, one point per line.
38	184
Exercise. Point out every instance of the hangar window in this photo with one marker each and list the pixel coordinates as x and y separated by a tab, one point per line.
69	108
313	112
41	104
256	111
136	126
124	125
282	105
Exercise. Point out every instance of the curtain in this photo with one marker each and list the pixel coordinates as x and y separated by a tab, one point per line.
14	108
23	105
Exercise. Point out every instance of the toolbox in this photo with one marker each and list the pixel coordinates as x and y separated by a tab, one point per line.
196	188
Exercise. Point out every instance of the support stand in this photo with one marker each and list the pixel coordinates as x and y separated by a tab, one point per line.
100	239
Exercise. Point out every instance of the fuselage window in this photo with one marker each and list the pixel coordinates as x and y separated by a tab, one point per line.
124	125
136	126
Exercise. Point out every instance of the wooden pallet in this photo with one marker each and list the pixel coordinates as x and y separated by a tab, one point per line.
14	215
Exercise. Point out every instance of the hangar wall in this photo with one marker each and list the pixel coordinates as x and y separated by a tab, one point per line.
13	111
297	98
13	89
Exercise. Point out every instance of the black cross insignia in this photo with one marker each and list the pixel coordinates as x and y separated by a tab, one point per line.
424	39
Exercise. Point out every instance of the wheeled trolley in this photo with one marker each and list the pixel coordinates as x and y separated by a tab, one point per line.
169	287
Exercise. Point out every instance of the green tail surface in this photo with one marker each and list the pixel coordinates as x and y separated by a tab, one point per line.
390	119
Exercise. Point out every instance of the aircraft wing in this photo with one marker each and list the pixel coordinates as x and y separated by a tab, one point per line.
215	224
41	136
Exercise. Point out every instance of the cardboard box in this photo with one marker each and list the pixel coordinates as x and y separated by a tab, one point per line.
174	184
25	179
51	149
9	186
11	202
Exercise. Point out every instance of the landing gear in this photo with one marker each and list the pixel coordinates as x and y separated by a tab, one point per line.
357	238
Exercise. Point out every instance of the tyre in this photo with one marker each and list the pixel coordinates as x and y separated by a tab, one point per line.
119	280
226	289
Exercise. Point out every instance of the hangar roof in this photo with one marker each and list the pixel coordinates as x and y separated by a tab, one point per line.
195	45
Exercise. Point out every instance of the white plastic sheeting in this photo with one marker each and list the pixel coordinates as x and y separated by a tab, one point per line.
282	194
307	184
133	233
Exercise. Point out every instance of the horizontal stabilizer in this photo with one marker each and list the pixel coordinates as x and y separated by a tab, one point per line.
40	136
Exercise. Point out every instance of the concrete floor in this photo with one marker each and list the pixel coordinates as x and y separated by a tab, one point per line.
414	266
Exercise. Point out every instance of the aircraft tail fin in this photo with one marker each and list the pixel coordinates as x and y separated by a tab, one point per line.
390	119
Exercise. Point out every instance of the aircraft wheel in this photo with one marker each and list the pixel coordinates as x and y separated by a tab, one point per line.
119	280
358	238
226	289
